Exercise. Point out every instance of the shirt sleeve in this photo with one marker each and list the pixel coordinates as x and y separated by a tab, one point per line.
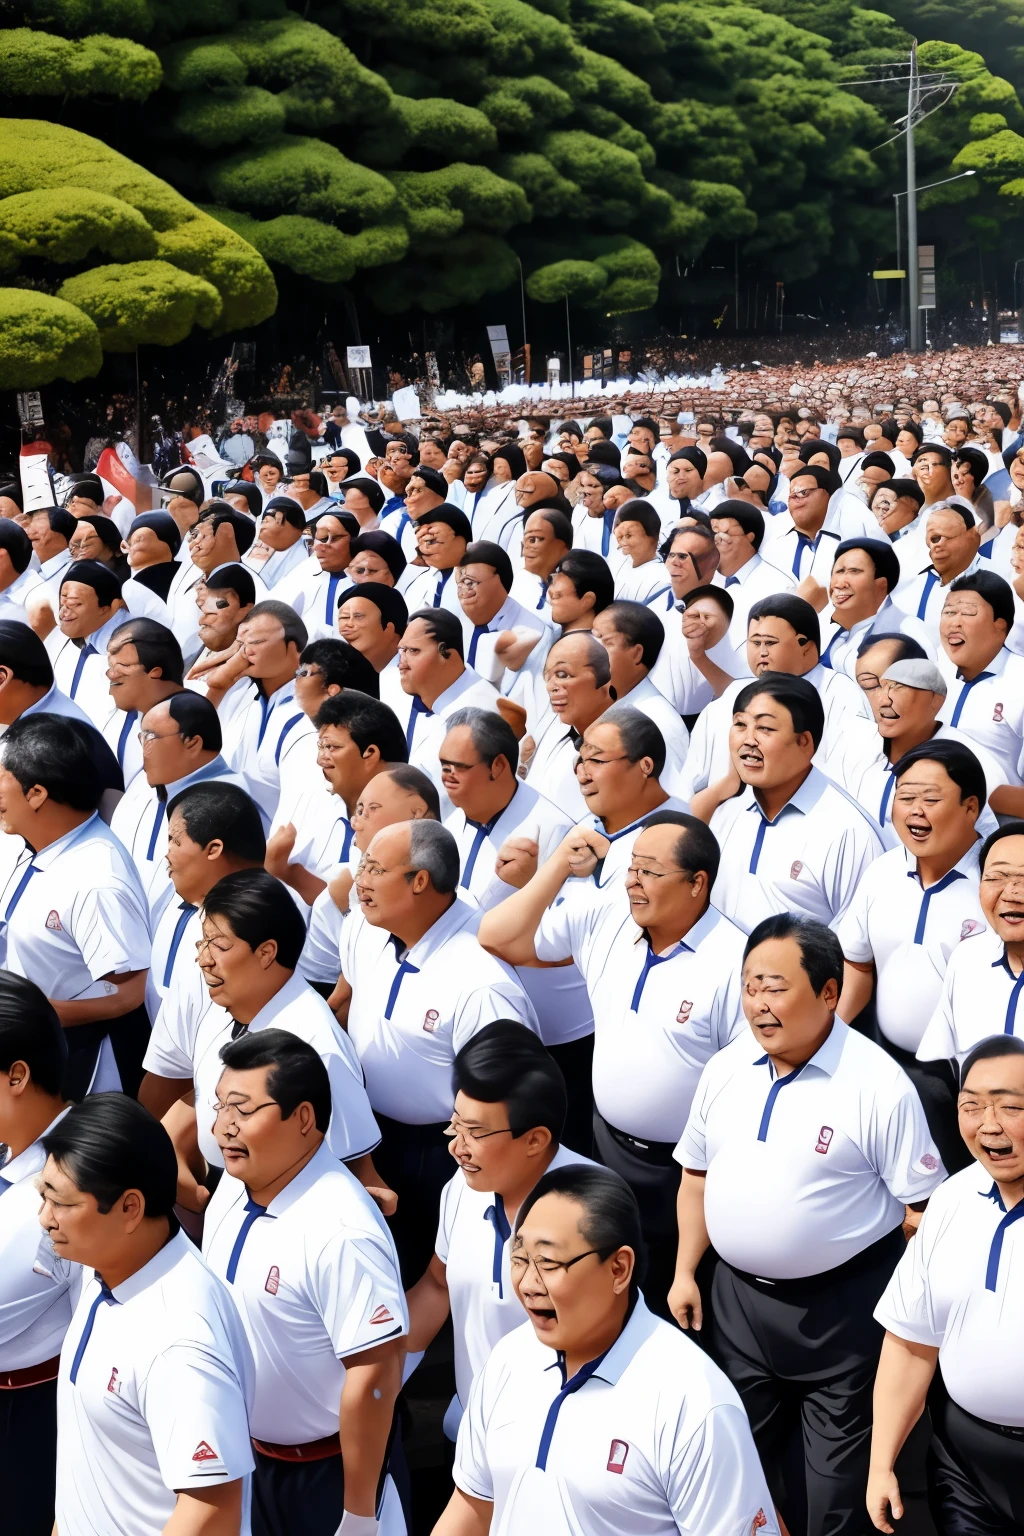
358	1294
353	1130
852	852
907	1159
906	1306
691	1149
852	927
714	1479
320	960
171	1048
502	1000
446	1217
109	926
472	1472
938	1043
194	1405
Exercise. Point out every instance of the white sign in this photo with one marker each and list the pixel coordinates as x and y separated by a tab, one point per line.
36	482
406	403
208	461
358	357
30	408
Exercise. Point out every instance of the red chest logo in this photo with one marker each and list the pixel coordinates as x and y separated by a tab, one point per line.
617	1454
204	1452
113	1385
824	1139
795	869
381	1315
759	1520
430	1019
685	1009
997	714
273	1280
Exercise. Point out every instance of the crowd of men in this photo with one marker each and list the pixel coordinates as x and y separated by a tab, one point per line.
549	804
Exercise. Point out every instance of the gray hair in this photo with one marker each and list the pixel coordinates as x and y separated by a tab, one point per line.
597	656
433	848
492	736
638	733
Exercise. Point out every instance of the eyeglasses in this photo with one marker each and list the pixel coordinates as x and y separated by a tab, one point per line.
457	1129
121	666
234	1114
972	1111
519	1263
680	557
147	736
636	872
307	672
803	495
329	538
470	583
598	762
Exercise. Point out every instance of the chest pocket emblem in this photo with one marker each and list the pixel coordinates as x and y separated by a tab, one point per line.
430	1019
997	714
617	1454
795	870
824	1139
273	1280
685	1009
53	923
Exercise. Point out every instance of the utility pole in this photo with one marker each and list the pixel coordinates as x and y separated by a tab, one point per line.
913	106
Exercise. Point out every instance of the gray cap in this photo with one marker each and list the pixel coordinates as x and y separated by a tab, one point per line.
917	673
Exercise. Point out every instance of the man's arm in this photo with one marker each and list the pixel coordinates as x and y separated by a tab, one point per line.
465	1516
208	1512
160	1094
279	848
706	801
429	1305
372	1383
1007	800
508	929
904	1374
858	985
365	1171
129	993
684	1297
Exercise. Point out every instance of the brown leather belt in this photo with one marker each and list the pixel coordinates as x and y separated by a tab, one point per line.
313	1450
30	1376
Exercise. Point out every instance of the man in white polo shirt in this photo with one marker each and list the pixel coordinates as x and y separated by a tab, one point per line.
314	1274
594	1415
899	946
90	610
73	915
431	682
420	986
633	636
144	667
496	816
662	969
953	1304
864	575
506	1132
952	536
797	1167
577	678
981	990
739	533
791	839
156	1375
36	1299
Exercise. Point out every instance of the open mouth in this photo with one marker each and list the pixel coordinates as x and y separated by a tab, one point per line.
751	758
542	1318
919	830
1012	917
999	1152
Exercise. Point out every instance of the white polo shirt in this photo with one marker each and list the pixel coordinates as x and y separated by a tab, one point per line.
188	1036
657	1018
806	1171
654	1440
156	1380
909	935
558	995
176	937
414	1009
708	758
595	534
75	912
980	997
37	1289
990	711
424	727
80	670
314	1275
320	959
754	580
323	832
268	724
957	1288
474	1232
875	788
650	702
478	639
799	556
642	583
552	768
809	860
313	593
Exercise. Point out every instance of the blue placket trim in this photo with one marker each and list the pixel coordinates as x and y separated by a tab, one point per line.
439	589
122	741
495	1214
544	584
332	587
826	656
606	532
773	1093
19	891
161	811
106	1295
186	912
883	809
479	630
964	695
802	543
88	649
418	708
581	1378
483	831
253	1212
933	890
929	581
996	1247
266	708
404	970
650	961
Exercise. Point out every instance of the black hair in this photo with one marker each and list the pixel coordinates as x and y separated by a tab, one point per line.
748	517
717	595
882	556
697	846
1008	829
815	445
30	1031
373	492
794	611
610	1217
61	522
375	541
11	489
444	628
194	715
369	723
433	480
216	811
914	428
294	514
505	1063
965	514
295	632
157	647
55	752
796	694
907	648
295	1072
588	572
908	488
338	662
959	762
22	650
415	782
992	589
492	736
251	494
854	433
389	603
702	528
821	954
991	1050
825	479
233	578
640	627
16	541
639	511
603	424
104	581
944	453
557	521
976	461
258	907
483	552
109	1144
878	459
639	734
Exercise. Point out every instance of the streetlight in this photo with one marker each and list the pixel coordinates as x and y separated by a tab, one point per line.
912	253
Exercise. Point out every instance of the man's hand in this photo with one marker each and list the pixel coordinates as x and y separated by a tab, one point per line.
514	715
279	848
516	863
192	1196
685	1304
583	849
527	748
883	1495
702	632
513	646
812	592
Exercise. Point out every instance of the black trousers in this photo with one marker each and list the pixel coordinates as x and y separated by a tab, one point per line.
28	1459
576	1059
937	1089
653	1175
975	1475
296	1498
415	1161
129	1037
802	1355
